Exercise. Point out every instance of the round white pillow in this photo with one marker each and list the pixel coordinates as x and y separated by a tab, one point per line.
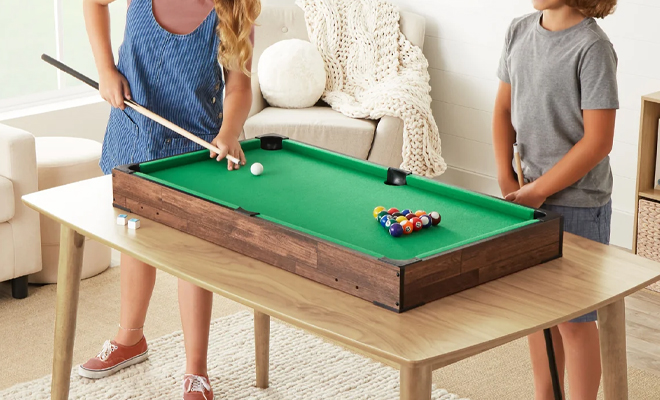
291	74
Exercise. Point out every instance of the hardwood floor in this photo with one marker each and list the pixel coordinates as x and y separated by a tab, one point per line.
643	330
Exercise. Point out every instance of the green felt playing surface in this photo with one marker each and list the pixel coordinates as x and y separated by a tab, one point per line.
332	197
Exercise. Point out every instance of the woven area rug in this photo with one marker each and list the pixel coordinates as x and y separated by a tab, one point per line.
302	367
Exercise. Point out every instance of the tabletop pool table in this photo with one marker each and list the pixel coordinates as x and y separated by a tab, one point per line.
310	213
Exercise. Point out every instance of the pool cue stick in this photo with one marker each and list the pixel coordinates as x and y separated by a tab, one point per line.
516	156
547	333
142	110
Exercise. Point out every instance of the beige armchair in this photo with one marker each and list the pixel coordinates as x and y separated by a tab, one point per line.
20	242
377	141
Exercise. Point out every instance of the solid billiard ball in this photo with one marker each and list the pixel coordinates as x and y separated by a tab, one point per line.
389	223
407	227
396	230
435	218
410	216
417	224
256	169
401	219
392	210
397	214
419	213
377	210
426	221
381	215
405	212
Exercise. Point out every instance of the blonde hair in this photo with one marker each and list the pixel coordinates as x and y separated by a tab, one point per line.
593	8
235	21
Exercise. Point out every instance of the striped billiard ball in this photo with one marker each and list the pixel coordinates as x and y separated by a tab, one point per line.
435	218
410	216
407	227
426	221
405	212
419	213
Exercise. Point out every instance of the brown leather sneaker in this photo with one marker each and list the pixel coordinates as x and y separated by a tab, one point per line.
114	357
197	387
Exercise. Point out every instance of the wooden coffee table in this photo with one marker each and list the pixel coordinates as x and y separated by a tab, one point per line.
589	276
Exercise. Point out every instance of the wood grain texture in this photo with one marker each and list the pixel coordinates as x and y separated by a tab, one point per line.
415	383
69	270
262	347
588	277
612	331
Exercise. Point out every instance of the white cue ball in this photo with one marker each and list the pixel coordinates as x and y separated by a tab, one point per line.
256	169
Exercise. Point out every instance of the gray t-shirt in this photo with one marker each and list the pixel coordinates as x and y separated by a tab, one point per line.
553	77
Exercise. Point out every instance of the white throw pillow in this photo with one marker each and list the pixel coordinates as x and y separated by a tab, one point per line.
291	74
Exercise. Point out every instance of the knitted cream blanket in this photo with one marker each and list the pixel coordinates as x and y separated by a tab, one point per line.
374	71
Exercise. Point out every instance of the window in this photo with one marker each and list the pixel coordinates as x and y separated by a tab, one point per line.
57	28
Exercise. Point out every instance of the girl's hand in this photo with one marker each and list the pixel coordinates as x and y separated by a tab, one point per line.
228	146
528	196
113	87
508	185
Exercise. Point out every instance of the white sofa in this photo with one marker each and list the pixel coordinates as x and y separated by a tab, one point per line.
20	243
377	141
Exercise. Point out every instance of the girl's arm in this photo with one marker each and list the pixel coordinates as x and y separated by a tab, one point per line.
504	136
237	104
113	86
582	158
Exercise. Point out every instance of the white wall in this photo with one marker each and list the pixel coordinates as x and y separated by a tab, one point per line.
463	44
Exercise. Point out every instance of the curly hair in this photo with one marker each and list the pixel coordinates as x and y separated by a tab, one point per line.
593	8
235	21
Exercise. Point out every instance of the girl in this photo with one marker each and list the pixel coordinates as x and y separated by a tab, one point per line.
558	99
177	59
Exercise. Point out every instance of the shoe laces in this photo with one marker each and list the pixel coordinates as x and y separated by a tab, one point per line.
196	383
108	348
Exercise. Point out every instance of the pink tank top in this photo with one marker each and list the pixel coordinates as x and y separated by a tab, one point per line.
182	17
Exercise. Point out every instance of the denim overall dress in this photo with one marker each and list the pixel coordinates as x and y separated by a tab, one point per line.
176	76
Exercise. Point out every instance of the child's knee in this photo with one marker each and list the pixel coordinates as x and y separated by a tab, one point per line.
578	331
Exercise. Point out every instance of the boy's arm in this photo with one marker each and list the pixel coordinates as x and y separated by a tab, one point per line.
582	158
113	87
504	136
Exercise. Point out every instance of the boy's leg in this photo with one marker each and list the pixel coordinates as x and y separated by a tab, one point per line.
195	305
137	284
540	364
582	350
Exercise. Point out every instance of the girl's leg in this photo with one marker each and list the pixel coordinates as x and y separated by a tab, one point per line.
540	364
195	305
137	284
582	349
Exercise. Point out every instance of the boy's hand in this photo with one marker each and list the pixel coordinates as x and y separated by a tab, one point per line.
508	185
528	196
228	146
113	87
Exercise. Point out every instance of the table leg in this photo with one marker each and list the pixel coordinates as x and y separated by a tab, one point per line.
68	284
612	332
554	373
261	346
415	383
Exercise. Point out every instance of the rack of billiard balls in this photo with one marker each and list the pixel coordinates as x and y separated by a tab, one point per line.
405	222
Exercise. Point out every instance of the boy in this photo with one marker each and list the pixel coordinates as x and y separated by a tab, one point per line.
557	99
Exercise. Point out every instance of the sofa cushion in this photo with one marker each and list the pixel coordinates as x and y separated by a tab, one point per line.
319	126
7	206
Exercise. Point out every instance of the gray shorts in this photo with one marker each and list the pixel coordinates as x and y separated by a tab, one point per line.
591	223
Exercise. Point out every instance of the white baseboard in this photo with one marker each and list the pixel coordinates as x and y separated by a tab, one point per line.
622	221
